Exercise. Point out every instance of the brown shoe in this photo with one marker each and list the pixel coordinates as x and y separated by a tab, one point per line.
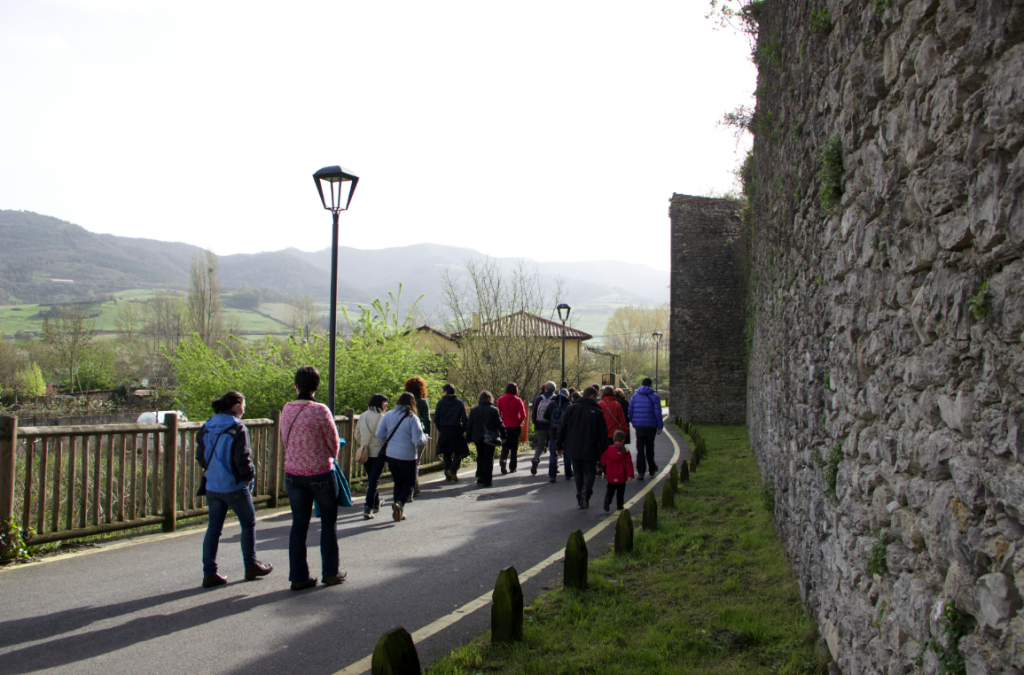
212	580
335	580
257	569
300	585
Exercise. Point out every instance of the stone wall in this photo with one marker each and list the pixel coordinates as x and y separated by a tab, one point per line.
707	373
886	381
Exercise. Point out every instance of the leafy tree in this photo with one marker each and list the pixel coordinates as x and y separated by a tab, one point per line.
629	333
69	332
30	382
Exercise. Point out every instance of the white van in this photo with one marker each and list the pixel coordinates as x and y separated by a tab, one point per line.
158	417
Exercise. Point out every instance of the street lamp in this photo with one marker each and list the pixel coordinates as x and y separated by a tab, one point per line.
339	184
657	350
563	314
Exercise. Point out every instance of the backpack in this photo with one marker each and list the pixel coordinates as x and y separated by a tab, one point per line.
543	407
556	411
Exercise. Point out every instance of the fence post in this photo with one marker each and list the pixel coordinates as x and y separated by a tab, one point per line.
345	456
170	472
8	449
275	461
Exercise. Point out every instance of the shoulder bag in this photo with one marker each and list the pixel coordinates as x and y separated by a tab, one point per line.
384	448
363	452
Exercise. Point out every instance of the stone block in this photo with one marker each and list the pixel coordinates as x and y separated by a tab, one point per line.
650	517
507	607
574	569
624	533
996	601
395	654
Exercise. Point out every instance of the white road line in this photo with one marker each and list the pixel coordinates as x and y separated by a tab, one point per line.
363	665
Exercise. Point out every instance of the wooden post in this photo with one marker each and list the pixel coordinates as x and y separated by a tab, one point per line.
574	570
346	452
170	472
8	446
274	463
624	533
650	517
507	607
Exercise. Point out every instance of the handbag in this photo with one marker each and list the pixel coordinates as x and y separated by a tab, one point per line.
363	452
344	491
384	448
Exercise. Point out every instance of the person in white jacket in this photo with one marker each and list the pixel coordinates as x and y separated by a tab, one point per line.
403	435
365	436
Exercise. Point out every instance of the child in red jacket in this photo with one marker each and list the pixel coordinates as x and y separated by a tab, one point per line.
618	468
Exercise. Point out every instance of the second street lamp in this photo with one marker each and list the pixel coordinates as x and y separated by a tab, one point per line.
563	314
657	353
338	185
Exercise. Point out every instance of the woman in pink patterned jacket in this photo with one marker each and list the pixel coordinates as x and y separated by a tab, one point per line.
310	440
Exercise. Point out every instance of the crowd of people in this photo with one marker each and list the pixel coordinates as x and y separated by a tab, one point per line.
588	434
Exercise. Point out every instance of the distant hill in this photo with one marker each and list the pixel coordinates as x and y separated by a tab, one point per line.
36	249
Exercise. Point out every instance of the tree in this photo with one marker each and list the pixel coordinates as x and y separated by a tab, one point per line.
499	340
129	320
205	310
629	333
166	323
69	332
303	316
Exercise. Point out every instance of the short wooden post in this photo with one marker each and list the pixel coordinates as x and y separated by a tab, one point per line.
574	570
650	517
395	654
275	448
668	493
673	477
624	533
507	607
346	452
684	472
170	472
8	445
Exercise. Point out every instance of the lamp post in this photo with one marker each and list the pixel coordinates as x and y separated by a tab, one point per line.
657	353
563	314
339	185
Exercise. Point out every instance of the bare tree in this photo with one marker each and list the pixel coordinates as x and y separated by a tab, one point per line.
166	321
303	316
129	320
205	311
69	332
629	333
503	324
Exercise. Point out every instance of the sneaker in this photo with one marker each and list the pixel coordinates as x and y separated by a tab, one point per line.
448	475
639	476
301	585
257	569
586	501
533	467
211	580
367	515
654	470
553	480
607	507
334	580
396	512
376	509
455	477
504	469
579	501
511	469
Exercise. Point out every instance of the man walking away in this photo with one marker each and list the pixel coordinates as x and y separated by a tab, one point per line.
645	413
583	437
553	415
452	422
541	428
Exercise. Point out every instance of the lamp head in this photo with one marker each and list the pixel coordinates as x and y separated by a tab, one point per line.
563	312
336	185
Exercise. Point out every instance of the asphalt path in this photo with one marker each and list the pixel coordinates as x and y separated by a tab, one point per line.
138	606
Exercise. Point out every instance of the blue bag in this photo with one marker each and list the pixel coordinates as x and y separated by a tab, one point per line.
344	492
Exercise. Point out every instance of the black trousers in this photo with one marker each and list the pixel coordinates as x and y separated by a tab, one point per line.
617	490
585	471
484	463
645	450
403	473
511	445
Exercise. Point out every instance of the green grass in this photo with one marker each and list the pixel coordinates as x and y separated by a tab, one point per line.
709	592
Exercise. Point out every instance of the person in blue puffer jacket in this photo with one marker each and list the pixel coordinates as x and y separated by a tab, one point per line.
645	414
222	449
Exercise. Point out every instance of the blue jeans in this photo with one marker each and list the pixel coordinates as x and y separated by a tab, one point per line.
239	501
302	492
374	468
553	455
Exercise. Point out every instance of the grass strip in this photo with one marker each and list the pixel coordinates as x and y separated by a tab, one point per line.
708	592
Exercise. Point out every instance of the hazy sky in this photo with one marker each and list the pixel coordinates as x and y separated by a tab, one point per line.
553	130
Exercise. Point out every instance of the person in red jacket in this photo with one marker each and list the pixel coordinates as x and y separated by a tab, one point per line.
618	468
614	418
513	415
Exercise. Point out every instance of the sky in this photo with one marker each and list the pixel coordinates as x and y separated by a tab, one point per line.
553	130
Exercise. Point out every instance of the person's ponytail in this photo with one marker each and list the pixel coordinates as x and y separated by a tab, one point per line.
225	403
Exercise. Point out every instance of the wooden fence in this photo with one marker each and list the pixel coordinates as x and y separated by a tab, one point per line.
67	482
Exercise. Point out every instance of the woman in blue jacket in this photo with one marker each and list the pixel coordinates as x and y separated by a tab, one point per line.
401	432
222	449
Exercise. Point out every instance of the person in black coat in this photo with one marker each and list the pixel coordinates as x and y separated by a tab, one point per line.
450	419
485	418
583	438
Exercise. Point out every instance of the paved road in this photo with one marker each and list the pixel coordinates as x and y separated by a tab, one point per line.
139	608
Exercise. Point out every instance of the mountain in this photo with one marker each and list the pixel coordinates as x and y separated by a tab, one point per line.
36	249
